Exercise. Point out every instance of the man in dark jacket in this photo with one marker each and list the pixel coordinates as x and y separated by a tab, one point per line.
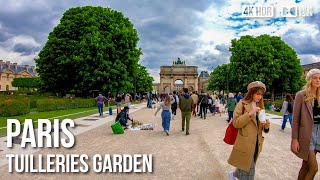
186	106
203	103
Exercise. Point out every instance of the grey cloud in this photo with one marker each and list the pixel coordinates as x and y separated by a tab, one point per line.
25	49
306	44
223	48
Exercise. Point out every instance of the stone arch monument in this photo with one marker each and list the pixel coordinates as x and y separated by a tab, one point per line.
178	71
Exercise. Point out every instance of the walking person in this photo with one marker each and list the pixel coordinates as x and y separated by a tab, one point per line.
217	105
286	110
128	100
165	115
231	105
194	97
100	102
174	106
249	141
118	102
210	103
203	103
186	106
305	141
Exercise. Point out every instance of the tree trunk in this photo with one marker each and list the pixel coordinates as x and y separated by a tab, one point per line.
272	95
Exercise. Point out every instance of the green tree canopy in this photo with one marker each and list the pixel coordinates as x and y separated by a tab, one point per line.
92	48
32	82
264	58
219	78
143	80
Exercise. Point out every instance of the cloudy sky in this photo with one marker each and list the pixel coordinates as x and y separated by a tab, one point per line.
197	31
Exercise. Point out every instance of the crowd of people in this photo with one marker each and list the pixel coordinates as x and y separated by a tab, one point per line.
303	113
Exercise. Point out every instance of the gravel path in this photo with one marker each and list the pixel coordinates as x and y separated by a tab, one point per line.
201	155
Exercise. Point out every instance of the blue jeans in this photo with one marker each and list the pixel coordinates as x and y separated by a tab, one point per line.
166	116
150	103
230	115
211	108
203	109
100	108
285	118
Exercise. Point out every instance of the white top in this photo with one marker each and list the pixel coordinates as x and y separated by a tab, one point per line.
254	104
164	107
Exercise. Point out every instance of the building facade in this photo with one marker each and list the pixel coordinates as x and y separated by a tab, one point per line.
9	71
307	67
178	76
203	81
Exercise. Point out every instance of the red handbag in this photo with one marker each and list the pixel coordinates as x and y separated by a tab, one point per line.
231	134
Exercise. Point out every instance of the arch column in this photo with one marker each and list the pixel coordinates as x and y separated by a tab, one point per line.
171	83
186	82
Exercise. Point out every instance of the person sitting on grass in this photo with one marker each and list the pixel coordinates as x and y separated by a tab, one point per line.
123	117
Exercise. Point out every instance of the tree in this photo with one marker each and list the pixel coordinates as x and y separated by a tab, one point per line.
219	78
32	82
267	59
92	48
143	80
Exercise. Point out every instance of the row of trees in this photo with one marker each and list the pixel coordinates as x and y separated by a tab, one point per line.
264	58
92	48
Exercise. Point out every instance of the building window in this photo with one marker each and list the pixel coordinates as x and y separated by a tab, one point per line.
7	88
7	77
0	86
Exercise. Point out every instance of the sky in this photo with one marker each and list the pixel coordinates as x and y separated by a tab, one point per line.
197	31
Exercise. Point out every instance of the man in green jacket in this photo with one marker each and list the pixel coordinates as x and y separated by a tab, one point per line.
186	106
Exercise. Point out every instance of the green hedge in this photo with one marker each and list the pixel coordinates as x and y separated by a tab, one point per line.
14	107
267	105
62	104
278	103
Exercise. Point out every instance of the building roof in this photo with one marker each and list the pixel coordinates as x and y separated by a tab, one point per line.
17	68
311	66
204	74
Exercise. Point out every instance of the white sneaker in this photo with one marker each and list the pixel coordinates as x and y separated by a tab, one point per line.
230	175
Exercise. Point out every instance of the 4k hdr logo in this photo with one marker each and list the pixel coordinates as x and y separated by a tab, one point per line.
268	11
294	11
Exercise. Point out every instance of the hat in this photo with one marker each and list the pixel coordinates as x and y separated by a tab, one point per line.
256	84
126	107
311	73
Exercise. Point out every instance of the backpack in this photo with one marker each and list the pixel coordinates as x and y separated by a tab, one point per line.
175	104
204	100
290	107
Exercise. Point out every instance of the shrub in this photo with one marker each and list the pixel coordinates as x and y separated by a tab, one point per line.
278	104
63	104
267	105
14	107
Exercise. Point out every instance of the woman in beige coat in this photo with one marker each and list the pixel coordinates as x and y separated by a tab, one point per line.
248	144
306	125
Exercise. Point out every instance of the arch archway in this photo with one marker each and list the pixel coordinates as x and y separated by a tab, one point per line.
178	85
167	89
178	76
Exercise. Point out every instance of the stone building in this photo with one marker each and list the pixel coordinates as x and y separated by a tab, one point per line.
307	67
9	71
179	76
203	81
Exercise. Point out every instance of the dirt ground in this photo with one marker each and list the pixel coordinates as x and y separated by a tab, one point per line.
201	155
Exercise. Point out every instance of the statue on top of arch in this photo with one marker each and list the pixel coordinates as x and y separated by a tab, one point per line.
179	62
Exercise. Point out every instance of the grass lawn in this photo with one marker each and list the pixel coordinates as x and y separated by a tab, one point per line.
273	112
61	115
